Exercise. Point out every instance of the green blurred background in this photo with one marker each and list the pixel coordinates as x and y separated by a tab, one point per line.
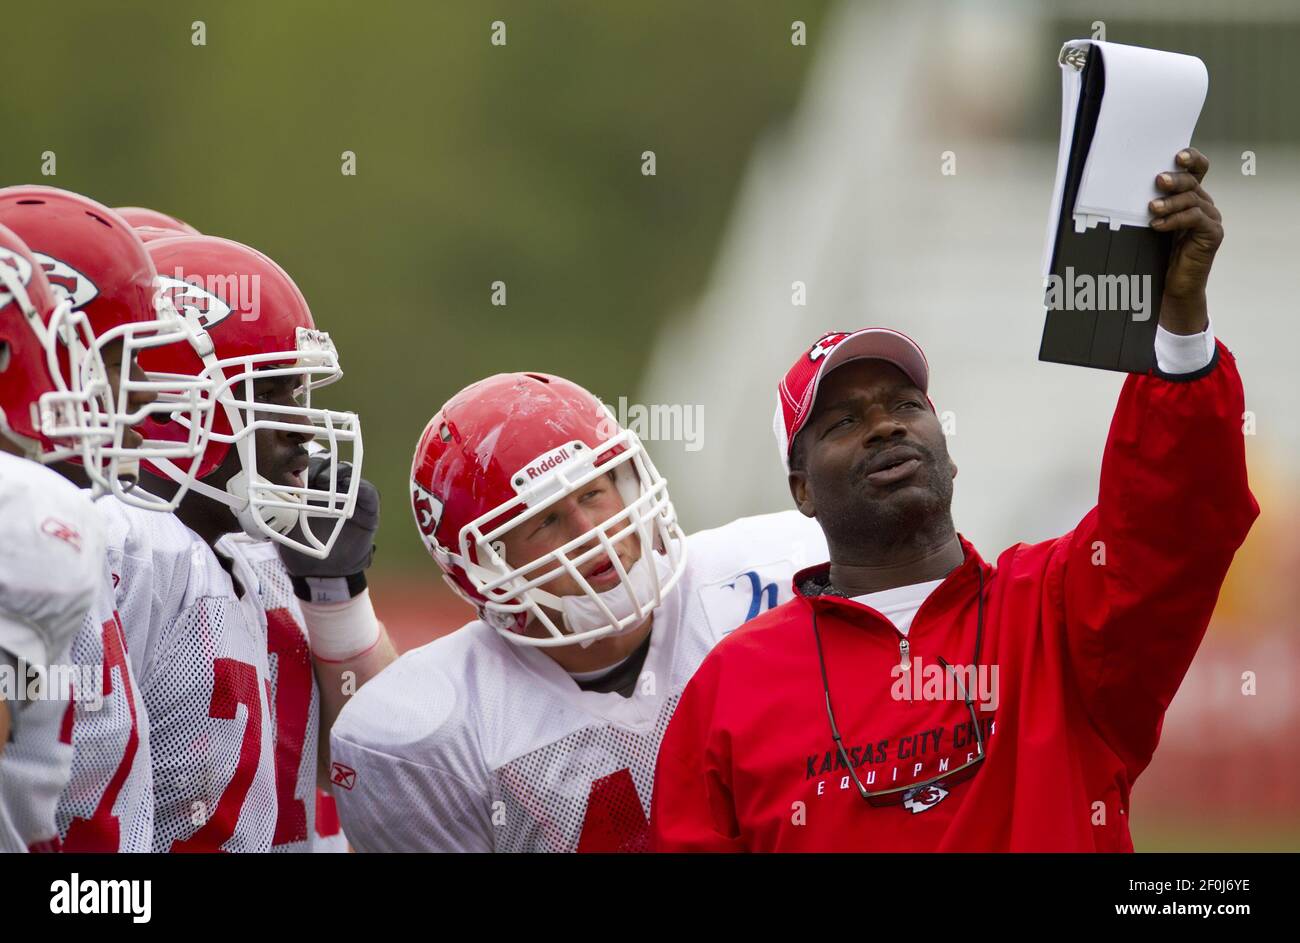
475	163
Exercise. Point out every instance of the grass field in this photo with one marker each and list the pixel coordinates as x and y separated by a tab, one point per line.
1242	836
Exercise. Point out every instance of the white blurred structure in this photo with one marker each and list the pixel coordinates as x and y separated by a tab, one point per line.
849	198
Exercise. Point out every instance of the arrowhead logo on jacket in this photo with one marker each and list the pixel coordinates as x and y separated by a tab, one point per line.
926	797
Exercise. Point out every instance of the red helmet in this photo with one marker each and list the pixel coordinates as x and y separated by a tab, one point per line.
256	325
93	260
43	409
139	217
498	454
150	233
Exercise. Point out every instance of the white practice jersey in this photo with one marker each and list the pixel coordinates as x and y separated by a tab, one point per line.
51	570
295	707
108	803
199	650
472	743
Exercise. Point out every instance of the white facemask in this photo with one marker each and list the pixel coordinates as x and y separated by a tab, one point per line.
582	613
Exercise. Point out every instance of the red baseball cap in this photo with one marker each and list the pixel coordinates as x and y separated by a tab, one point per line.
797	392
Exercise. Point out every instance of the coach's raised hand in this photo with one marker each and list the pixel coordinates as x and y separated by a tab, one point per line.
1188	212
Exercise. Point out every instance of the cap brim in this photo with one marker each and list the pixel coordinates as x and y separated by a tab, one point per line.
872	343
876	343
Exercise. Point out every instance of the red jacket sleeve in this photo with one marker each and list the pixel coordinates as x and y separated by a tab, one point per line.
1143	570
691	808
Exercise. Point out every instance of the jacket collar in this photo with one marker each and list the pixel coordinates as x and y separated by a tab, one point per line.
963	576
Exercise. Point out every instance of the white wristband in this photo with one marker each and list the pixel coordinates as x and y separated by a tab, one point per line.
1183	353
340	631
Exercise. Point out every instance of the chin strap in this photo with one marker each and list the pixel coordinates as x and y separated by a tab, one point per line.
279	519
235	497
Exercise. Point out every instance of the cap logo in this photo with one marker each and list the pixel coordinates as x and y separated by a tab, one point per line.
66	281
21	267
825	345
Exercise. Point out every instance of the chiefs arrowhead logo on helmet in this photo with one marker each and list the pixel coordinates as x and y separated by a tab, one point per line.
194	302
21	267
66	281
428	514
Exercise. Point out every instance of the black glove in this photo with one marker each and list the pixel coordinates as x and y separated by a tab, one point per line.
324	580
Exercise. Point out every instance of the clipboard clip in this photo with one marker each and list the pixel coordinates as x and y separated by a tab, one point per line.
1076	57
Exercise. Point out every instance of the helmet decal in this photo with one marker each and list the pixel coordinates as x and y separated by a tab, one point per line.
194	302
428	514
21	267
67	282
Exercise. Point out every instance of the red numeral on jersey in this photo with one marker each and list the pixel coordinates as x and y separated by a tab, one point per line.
293	677
233	683
615	820
102	831
327	815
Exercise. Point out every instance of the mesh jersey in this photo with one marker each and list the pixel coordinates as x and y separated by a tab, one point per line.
295	706
51	568
108	803
472	743
199	651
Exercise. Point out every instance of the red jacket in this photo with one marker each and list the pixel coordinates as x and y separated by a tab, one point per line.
1091	634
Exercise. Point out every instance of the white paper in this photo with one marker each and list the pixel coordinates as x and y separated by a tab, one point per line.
1148	113
1149	109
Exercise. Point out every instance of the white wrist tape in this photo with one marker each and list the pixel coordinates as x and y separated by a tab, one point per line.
340	631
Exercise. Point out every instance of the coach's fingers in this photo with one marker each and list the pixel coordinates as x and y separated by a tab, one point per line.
1167	206
1173	182
1196	163
1195	219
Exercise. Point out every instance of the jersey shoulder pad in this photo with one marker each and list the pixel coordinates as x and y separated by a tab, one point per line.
762	538
422	708
51	559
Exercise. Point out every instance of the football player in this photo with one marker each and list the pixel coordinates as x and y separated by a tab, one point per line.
275	615
77	775
535	727
51	544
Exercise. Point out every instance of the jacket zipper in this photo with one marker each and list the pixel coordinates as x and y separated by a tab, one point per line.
905	649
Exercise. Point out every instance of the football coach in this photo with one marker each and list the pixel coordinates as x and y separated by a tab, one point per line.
913	697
